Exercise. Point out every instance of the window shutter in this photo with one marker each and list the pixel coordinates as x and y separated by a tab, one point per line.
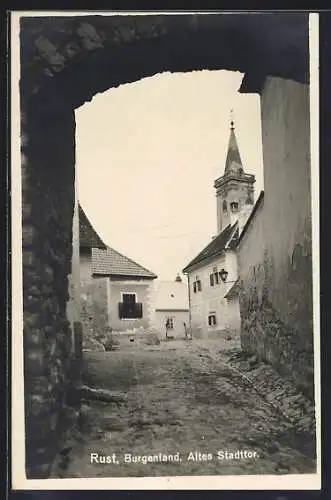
139	309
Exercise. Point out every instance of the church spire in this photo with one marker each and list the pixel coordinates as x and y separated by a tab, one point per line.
233	161
234	189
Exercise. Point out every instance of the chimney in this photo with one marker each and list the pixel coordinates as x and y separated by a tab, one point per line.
178	278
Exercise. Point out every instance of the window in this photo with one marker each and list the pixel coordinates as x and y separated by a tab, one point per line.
212	319
234	206
170	323
197	285
129	308
216	278
225	207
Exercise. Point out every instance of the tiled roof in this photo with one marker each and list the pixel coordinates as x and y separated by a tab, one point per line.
226	239
109	262
171	296
233	291
88	237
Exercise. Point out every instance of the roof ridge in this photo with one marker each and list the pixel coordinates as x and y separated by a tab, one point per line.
196	259
232	234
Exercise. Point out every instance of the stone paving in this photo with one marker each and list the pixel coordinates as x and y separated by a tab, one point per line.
181	398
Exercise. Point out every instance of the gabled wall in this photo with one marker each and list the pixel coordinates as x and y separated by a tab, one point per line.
178	317
275	255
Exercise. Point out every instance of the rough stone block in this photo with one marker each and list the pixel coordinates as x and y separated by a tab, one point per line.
33	337
32	320
34	361
38	404
28	235
48	275
28	258
31	304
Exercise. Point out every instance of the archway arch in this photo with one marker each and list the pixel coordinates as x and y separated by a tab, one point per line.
65	61
77	57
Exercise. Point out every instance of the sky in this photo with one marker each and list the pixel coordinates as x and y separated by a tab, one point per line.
147	155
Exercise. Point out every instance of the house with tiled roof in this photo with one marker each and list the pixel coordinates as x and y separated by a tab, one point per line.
109	262
116	292
213	274
129	289
172	308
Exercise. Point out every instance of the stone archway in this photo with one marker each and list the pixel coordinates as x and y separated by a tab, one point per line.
65	61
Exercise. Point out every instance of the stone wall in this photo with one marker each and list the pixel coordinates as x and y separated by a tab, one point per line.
94	302
47	202
90	54
100	311
73	304
275	255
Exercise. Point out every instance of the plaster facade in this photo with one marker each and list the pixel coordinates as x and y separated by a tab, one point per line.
100	298
172	303
178	318
275	253
211	301
143	290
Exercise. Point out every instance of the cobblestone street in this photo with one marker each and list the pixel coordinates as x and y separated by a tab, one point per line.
181	397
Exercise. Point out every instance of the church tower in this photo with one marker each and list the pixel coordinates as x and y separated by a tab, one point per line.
234	189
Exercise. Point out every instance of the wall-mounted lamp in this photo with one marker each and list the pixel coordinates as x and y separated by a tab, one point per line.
223	274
